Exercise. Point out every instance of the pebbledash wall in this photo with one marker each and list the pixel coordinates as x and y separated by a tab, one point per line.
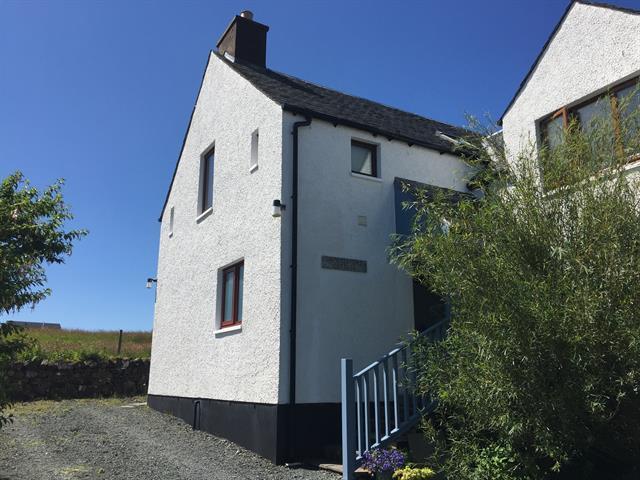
192	357
351	314
227	380
595	48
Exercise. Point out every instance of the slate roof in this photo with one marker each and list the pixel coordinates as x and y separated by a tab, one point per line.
307	98
552	35
299	96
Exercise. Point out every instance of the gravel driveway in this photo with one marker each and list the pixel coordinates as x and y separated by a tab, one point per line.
105	439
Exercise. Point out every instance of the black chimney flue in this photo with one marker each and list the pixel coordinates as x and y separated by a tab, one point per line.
245	40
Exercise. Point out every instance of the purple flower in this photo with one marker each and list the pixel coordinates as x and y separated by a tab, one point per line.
383	460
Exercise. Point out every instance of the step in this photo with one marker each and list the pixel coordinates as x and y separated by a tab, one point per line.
337	468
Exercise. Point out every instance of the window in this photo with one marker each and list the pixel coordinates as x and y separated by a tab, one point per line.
627	102
232	286
364	158
594	113
206	181
253	166
553	129
171	217
619	106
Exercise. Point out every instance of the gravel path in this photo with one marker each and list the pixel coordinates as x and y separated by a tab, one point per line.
102	439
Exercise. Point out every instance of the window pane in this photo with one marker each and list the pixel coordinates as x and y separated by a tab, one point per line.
595	114
254	149
229	279
554	132
629	108
240	290
208	179
361	159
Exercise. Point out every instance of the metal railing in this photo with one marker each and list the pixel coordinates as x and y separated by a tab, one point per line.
379	403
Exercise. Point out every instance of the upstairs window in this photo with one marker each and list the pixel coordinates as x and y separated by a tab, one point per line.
171	218
232	290
364	158
619	108
253	166
627	102
206	181
553	129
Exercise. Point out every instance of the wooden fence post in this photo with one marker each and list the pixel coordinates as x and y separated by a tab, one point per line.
120	342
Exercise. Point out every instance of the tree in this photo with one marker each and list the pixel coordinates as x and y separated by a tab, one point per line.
32	234
540	373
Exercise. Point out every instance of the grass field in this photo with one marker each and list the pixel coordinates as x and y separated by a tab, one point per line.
63	344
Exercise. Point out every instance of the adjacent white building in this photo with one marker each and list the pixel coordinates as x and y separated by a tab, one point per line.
254	311
590	61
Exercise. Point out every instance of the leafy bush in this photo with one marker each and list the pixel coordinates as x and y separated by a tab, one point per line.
414	473
12	342
540	372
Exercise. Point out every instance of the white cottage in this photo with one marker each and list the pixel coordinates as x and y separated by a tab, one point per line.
589	62
273	261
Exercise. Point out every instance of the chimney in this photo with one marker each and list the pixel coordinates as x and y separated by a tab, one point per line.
245	40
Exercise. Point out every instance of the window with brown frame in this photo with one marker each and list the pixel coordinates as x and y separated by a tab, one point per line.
232	290
616	106
364	158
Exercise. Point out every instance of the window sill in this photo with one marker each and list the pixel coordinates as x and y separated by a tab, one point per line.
204	214
225	330
253	168
366	177
633	162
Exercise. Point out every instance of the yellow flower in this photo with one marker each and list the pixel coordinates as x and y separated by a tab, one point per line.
409	473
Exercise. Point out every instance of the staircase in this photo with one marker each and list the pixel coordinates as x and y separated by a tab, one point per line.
379	404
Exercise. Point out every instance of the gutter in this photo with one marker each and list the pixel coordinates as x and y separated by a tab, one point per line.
367	128
294	262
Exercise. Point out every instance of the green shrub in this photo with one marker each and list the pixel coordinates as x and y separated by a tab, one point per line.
414	473
12	343
541	368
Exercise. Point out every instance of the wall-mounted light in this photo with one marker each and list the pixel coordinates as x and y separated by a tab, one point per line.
151	281
278	207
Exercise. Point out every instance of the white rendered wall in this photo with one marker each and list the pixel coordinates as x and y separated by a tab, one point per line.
188	359
594	48
346	314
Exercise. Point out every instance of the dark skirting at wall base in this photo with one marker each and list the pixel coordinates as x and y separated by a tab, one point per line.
280	433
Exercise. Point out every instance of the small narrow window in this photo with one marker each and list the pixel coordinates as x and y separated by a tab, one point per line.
232	291
253	166
206	181
171	217
364	158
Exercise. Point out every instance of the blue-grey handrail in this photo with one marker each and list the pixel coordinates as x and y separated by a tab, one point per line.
371	420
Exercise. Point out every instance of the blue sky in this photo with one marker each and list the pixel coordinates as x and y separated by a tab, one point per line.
100	93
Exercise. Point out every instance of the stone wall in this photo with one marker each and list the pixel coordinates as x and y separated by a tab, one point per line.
48	380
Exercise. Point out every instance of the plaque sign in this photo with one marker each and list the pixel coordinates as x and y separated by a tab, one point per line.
344	264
